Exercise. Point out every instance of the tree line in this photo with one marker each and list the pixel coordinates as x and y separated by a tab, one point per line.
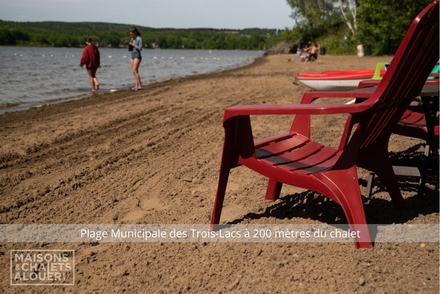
337	25
63	34
341	24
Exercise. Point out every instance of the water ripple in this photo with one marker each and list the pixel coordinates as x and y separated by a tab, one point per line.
37	76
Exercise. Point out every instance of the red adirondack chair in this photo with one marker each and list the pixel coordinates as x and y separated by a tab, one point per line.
414	124
294	159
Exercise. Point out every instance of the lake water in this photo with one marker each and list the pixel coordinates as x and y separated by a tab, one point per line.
37	76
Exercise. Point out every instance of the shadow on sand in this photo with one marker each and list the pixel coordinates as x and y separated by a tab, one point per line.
311	205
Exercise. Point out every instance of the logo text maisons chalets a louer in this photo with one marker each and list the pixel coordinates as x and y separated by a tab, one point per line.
42	267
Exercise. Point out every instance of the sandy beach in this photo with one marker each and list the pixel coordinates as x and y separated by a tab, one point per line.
153	156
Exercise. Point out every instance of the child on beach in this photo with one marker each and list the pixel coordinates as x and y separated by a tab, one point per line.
312	52
91	58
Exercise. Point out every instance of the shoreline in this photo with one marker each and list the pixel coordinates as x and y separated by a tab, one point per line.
125	90
73	87
153	157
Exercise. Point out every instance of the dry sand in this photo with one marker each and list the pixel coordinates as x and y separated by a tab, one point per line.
153	156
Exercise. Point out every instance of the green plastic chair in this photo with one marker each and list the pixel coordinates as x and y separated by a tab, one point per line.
381	65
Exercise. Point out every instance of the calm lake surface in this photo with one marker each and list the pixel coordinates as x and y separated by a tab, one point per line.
37	76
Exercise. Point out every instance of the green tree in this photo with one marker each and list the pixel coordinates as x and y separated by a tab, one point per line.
40	39
314	15
12	36
173	41
63	34
256	41
384	23
349	13
161	41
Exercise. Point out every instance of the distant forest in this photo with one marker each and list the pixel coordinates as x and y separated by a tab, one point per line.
67	34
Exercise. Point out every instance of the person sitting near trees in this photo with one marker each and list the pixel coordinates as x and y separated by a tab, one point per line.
299	51
305	51
313	53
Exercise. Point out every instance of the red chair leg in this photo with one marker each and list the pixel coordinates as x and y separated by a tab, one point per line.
350	200
273	190
218	202
381	165
388	179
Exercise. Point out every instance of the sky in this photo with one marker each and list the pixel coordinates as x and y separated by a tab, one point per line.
217	14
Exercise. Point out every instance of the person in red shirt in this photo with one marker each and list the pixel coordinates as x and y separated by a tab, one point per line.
91	59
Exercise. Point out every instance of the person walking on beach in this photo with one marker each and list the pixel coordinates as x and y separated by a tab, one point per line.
135	46
91	59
